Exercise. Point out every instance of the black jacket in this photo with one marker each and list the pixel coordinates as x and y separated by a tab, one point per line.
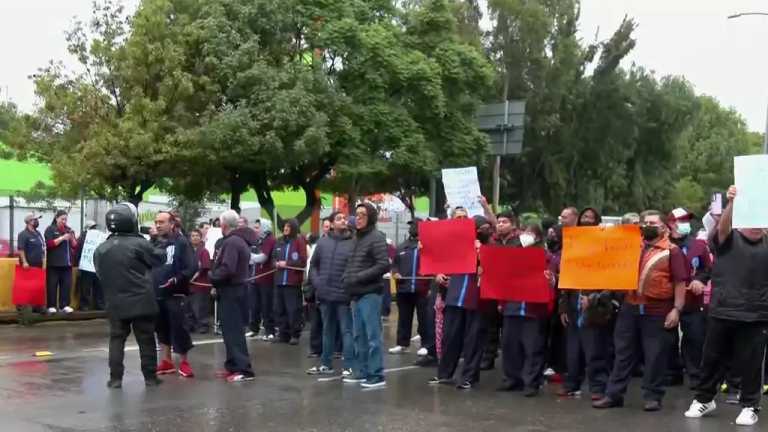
124	262
61	255
369	260
180	264
740	279
329	261
406	263
231	265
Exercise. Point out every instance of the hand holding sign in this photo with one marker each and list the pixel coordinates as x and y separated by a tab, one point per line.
600	258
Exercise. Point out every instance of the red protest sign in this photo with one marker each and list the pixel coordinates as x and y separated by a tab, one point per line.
29	286
514	274
448	247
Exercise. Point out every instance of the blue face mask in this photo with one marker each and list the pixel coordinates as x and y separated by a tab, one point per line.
684	228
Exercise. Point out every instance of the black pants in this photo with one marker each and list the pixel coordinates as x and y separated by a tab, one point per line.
58	282
588	349
557	355
262	312
232	301
407	304
694	326
522	351
464	336
316	329
631	327
386	300
494	322
201	310
171	324
288	310
91	295
744	344
144	332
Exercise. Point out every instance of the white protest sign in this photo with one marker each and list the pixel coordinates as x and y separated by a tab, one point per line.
93	238
462	189
214	234
750	209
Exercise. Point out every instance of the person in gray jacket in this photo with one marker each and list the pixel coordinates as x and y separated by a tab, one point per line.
126	260
362	280
327	266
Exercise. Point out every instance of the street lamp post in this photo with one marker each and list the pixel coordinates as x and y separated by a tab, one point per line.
765	137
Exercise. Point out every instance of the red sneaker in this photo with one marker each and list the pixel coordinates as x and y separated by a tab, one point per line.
166	367
556	378
185	369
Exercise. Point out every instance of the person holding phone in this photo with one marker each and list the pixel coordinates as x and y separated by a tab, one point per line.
61	243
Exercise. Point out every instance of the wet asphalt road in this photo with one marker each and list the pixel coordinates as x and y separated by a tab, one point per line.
67	392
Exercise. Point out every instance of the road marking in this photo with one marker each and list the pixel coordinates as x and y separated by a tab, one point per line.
195	343
338	377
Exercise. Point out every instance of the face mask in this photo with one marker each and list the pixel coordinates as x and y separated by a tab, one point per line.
35	223
684	228
527	239
650	233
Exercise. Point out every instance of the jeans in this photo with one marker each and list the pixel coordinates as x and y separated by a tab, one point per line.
144	332
366	316
335	316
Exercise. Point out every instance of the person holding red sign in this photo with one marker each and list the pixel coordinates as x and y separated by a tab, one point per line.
464	330
524	334
60	243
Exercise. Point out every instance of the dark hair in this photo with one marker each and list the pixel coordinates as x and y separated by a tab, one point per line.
202	225
257	221
59	213
508	214
196	231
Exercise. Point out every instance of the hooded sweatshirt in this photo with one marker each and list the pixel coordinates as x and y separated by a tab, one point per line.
179	267
231	266
293	250
369	260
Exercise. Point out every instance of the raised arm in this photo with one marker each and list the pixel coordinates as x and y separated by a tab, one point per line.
726	220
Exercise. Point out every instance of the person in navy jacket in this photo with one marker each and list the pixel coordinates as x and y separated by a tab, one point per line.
412	295
464	332
290	255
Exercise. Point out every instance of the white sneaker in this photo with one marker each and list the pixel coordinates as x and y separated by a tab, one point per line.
398	350
250	334
52	310
549	372
698	409
748	417
416	338
269	338
67	310
422	352
346	373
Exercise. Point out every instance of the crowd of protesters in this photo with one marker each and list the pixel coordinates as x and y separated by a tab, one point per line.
700	311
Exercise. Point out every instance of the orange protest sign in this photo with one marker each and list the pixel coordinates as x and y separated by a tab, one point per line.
600	258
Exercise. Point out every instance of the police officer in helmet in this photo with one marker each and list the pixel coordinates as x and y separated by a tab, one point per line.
124	261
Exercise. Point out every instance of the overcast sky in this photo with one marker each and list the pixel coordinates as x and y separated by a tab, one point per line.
723	58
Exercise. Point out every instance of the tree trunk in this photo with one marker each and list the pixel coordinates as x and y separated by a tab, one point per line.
310	202
237	185
264	195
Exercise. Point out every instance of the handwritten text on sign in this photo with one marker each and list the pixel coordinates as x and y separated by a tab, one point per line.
750	209
93	238
462	189
600	258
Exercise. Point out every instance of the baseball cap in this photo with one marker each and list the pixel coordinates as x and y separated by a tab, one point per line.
30	217
681	214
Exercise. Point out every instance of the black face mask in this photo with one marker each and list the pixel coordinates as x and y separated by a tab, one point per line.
651	233
35	223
